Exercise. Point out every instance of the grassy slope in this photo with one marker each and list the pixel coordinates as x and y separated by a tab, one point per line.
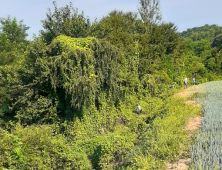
109	139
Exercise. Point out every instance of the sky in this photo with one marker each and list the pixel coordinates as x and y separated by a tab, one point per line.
183	13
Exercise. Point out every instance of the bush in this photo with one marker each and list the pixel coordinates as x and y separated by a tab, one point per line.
41	148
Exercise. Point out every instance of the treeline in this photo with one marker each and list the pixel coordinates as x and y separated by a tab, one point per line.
205	42
208	32
68	97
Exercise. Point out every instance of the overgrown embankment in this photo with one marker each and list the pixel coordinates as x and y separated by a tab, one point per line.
109	139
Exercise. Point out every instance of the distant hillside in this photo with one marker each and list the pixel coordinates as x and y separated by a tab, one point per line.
205	32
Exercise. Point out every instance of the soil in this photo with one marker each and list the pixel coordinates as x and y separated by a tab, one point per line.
181	164
189	91
185	93
192	102
193	124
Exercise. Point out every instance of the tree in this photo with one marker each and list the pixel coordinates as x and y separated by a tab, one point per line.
13	41
13	44
15	31
121	29
207	32
154	46
217	42
65	20
150	10
118	28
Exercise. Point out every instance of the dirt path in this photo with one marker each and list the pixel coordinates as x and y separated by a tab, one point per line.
189	91
193	124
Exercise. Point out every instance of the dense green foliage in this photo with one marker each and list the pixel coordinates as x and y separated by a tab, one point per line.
68	98
65	20
205	32
205	42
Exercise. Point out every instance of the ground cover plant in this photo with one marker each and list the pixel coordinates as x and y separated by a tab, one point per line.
206	153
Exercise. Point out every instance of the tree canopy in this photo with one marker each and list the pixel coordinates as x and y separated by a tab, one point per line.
65	20
13	30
